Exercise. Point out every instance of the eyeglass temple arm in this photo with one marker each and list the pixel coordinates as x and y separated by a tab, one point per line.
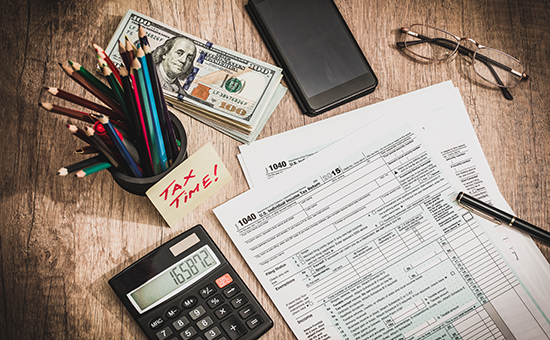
461	49
504	90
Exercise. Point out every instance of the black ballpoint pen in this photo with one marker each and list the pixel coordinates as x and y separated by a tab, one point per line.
485	210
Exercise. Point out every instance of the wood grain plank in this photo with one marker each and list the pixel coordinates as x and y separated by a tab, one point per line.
61	239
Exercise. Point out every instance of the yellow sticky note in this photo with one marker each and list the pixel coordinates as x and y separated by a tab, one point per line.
189	184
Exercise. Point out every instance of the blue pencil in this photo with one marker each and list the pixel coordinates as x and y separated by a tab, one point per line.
142	91
153	106
104	120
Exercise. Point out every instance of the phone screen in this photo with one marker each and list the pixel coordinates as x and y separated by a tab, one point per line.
317	47
314	42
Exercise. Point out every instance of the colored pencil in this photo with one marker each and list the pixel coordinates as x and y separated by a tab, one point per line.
118	143
101	146
83	116
77	132
85	150
157	133
124	56
141	121
128	95
146	109
93	80
101	53
130	49
162	109
93	169
98	94
64	171
102	133
146	165
57	92
109	75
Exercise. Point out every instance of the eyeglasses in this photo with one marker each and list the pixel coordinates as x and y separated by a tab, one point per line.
494	66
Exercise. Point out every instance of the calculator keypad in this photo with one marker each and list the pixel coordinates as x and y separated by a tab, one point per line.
211	317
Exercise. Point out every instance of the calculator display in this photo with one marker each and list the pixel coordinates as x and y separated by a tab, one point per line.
174	279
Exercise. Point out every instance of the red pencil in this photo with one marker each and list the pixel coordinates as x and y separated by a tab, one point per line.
140	116
54	91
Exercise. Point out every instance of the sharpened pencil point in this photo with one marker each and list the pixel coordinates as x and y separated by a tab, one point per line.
141	31
52	90
63	172
46	105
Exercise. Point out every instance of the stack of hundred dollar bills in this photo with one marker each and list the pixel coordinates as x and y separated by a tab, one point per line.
227	90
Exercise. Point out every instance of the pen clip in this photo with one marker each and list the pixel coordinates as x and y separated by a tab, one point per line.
479	213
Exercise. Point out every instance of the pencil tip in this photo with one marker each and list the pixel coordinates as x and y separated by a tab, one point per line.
45	105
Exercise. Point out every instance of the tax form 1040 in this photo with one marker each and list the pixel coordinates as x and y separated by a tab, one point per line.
364	241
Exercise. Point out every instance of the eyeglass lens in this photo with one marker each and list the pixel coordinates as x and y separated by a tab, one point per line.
496	67
430	43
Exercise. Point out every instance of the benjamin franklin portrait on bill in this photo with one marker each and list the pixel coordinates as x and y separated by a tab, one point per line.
174	62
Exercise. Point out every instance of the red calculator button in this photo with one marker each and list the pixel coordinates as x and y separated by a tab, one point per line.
224	280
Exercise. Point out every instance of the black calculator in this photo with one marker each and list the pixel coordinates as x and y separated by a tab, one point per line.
186	290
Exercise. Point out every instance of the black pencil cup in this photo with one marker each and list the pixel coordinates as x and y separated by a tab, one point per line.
139	186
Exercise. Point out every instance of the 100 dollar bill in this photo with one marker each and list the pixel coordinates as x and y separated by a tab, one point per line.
196	72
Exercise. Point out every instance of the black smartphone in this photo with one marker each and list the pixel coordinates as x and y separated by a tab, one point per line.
321	60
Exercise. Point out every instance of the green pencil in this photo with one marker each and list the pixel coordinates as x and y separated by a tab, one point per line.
101	86
93	169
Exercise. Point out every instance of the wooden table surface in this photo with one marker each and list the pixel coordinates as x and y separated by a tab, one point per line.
61	239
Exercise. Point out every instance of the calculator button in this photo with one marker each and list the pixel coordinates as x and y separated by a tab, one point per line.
222	312
164	333
156	323
197	312
188	333
189	302
215	301
224	280
233	327
231	291
211	334
246	312
205	323
180	323
254	322
207	291
172	312
239	301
